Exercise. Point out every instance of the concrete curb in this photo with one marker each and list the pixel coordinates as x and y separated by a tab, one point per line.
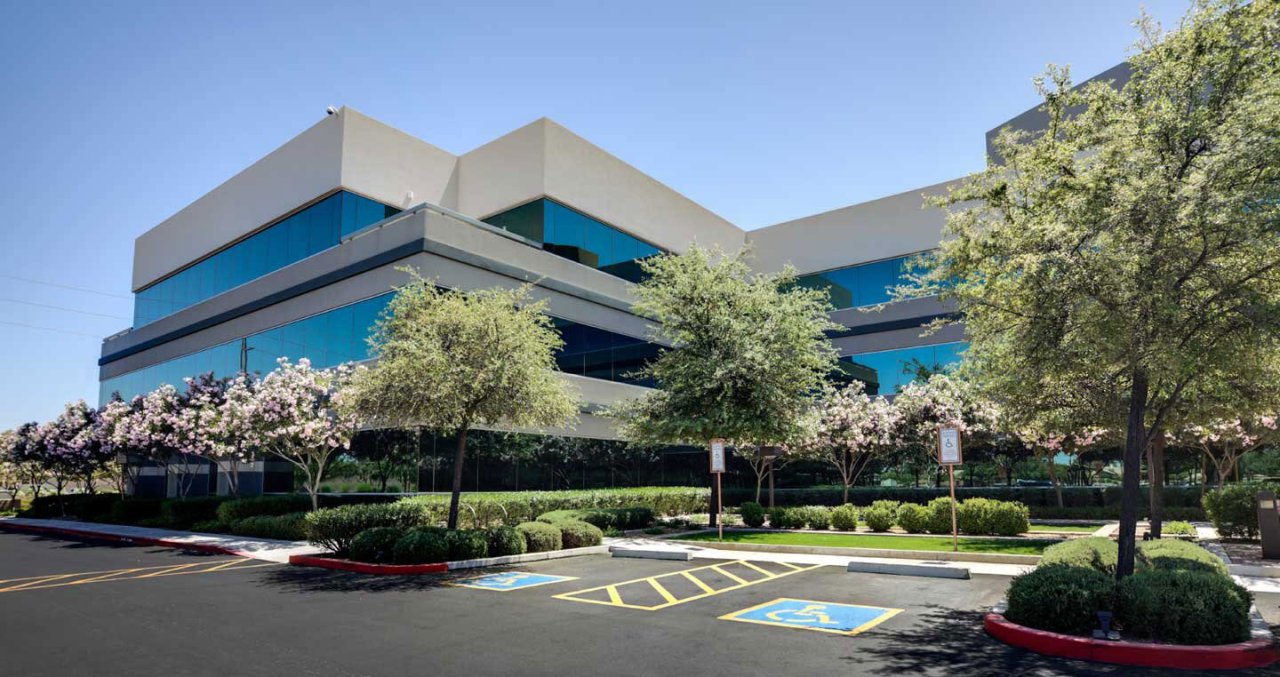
989	558
115	538
528	557
921	570
438	567
1257	652
652	553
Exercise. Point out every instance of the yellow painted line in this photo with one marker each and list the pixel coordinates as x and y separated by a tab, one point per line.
86	573
120	574
671	599
187	573
38	581
766	572
698	582
172	569
889	613
103	577
615	597
741	581
226	564
789	565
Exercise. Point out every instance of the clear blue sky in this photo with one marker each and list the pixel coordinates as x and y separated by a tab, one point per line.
116	115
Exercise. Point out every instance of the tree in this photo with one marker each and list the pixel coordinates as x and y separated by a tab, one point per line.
943	400
747	354
451	360
851	429
25	452
763	460
11	478
111	432
196	420
1129	251
1224	442
1048	441
149	429
231	437
303	416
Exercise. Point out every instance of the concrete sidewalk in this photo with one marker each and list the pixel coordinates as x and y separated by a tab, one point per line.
257	548
700	552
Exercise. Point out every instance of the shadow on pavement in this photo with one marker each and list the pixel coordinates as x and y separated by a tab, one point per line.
310	579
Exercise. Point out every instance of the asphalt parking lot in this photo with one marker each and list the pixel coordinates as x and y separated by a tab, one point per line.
72	607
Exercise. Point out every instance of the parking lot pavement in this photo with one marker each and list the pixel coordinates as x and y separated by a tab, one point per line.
560	619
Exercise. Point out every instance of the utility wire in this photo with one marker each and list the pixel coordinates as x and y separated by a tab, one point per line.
65	286
60	331
69	310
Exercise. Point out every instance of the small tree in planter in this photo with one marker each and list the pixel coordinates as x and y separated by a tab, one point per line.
852	429
194	425
1224	442
149	430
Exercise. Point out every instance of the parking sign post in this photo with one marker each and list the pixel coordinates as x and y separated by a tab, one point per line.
717	469
949	454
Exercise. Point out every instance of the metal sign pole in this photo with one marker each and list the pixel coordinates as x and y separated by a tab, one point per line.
955	539
717	469
719	509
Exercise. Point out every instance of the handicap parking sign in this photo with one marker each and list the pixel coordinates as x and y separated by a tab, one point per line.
806	614
511	580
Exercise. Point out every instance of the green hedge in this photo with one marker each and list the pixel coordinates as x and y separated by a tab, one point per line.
236	510
913	518
987	517
1101	554
1233	509
506	541
279	527
1032	497
845	517
1183	607
511	508
1113	513
938	515
467	544
1060	598
604	518
376	545
752	514
334	528
422	545
135	510
540	536
574	534
181	513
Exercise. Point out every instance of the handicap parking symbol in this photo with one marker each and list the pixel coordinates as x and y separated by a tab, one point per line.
841	619
507	581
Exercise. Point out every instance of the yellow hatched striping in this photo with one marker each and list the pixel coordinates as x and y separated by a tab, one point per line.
86	577
614	591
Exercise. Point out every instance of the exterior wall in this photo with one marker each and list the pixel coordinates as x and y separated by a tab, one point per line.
1035	119
395	168
891	226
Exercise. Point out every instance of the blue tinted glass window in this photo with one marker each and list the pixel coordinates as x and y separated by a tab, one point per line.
865	284
308	232
578	237
896	368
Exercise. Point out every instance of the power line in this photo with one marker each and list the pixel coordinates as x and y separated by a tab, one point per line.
69	310
65	286
60	331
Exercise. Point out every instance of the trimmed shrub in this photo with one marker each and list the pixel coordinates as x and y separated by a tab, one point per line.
938	519
540	536
1179	529
279	527
182	513
334	528
1232	510
1099	554
1176	554
778	517
984	516
133	510
752	514
504	541
914	519
881	515
1183	607
845	518
1010	518
576	534
603	518
1060	598
816	517
212	527
467	544
154	523
238	509
422	545
511	508
376	545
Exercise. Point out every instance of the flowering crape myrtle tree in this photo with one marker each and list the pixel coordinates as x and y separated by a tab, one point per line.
851	430
1047	442
761	461
193	428
25	453
111	432
11	479
231	430
1131	250
1224	442
303	416
943	400
450	361
150	428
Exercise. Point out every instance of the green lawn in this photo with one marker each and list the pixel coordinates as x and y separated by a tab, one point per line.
932	543
1081	528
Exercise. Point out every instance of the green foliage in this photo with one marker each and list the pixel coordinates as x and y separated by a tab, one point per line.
540	536
236	510
1176	554
845	518
938	520
134	510
789	518
376	545
576	534
1233	509
1060	598
914	519
604	518
983	516
748	350
154	523
1183	607
422	545
467	544
89	507
182	513
212	527
815	517
752	514
514	507
279	527
881	515
334	528
1033	497
778	517
1178	529
505	541
1094	553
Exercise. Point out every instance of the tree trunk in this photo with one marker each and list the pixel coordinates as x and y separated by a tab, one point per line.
1155	474
456	496
759	484
1053	478
1135	444
846	493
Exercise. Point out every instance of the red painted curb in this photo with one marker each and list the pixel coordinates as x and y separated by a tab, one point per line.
1255	653
116	538
366	568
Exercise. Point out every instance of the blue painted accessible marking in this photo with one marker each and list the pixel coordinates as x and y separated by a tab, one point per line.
511	580
807	614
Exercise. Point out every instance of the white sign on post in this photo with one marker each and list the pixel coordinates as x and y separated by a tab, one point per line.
717	456
949	447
